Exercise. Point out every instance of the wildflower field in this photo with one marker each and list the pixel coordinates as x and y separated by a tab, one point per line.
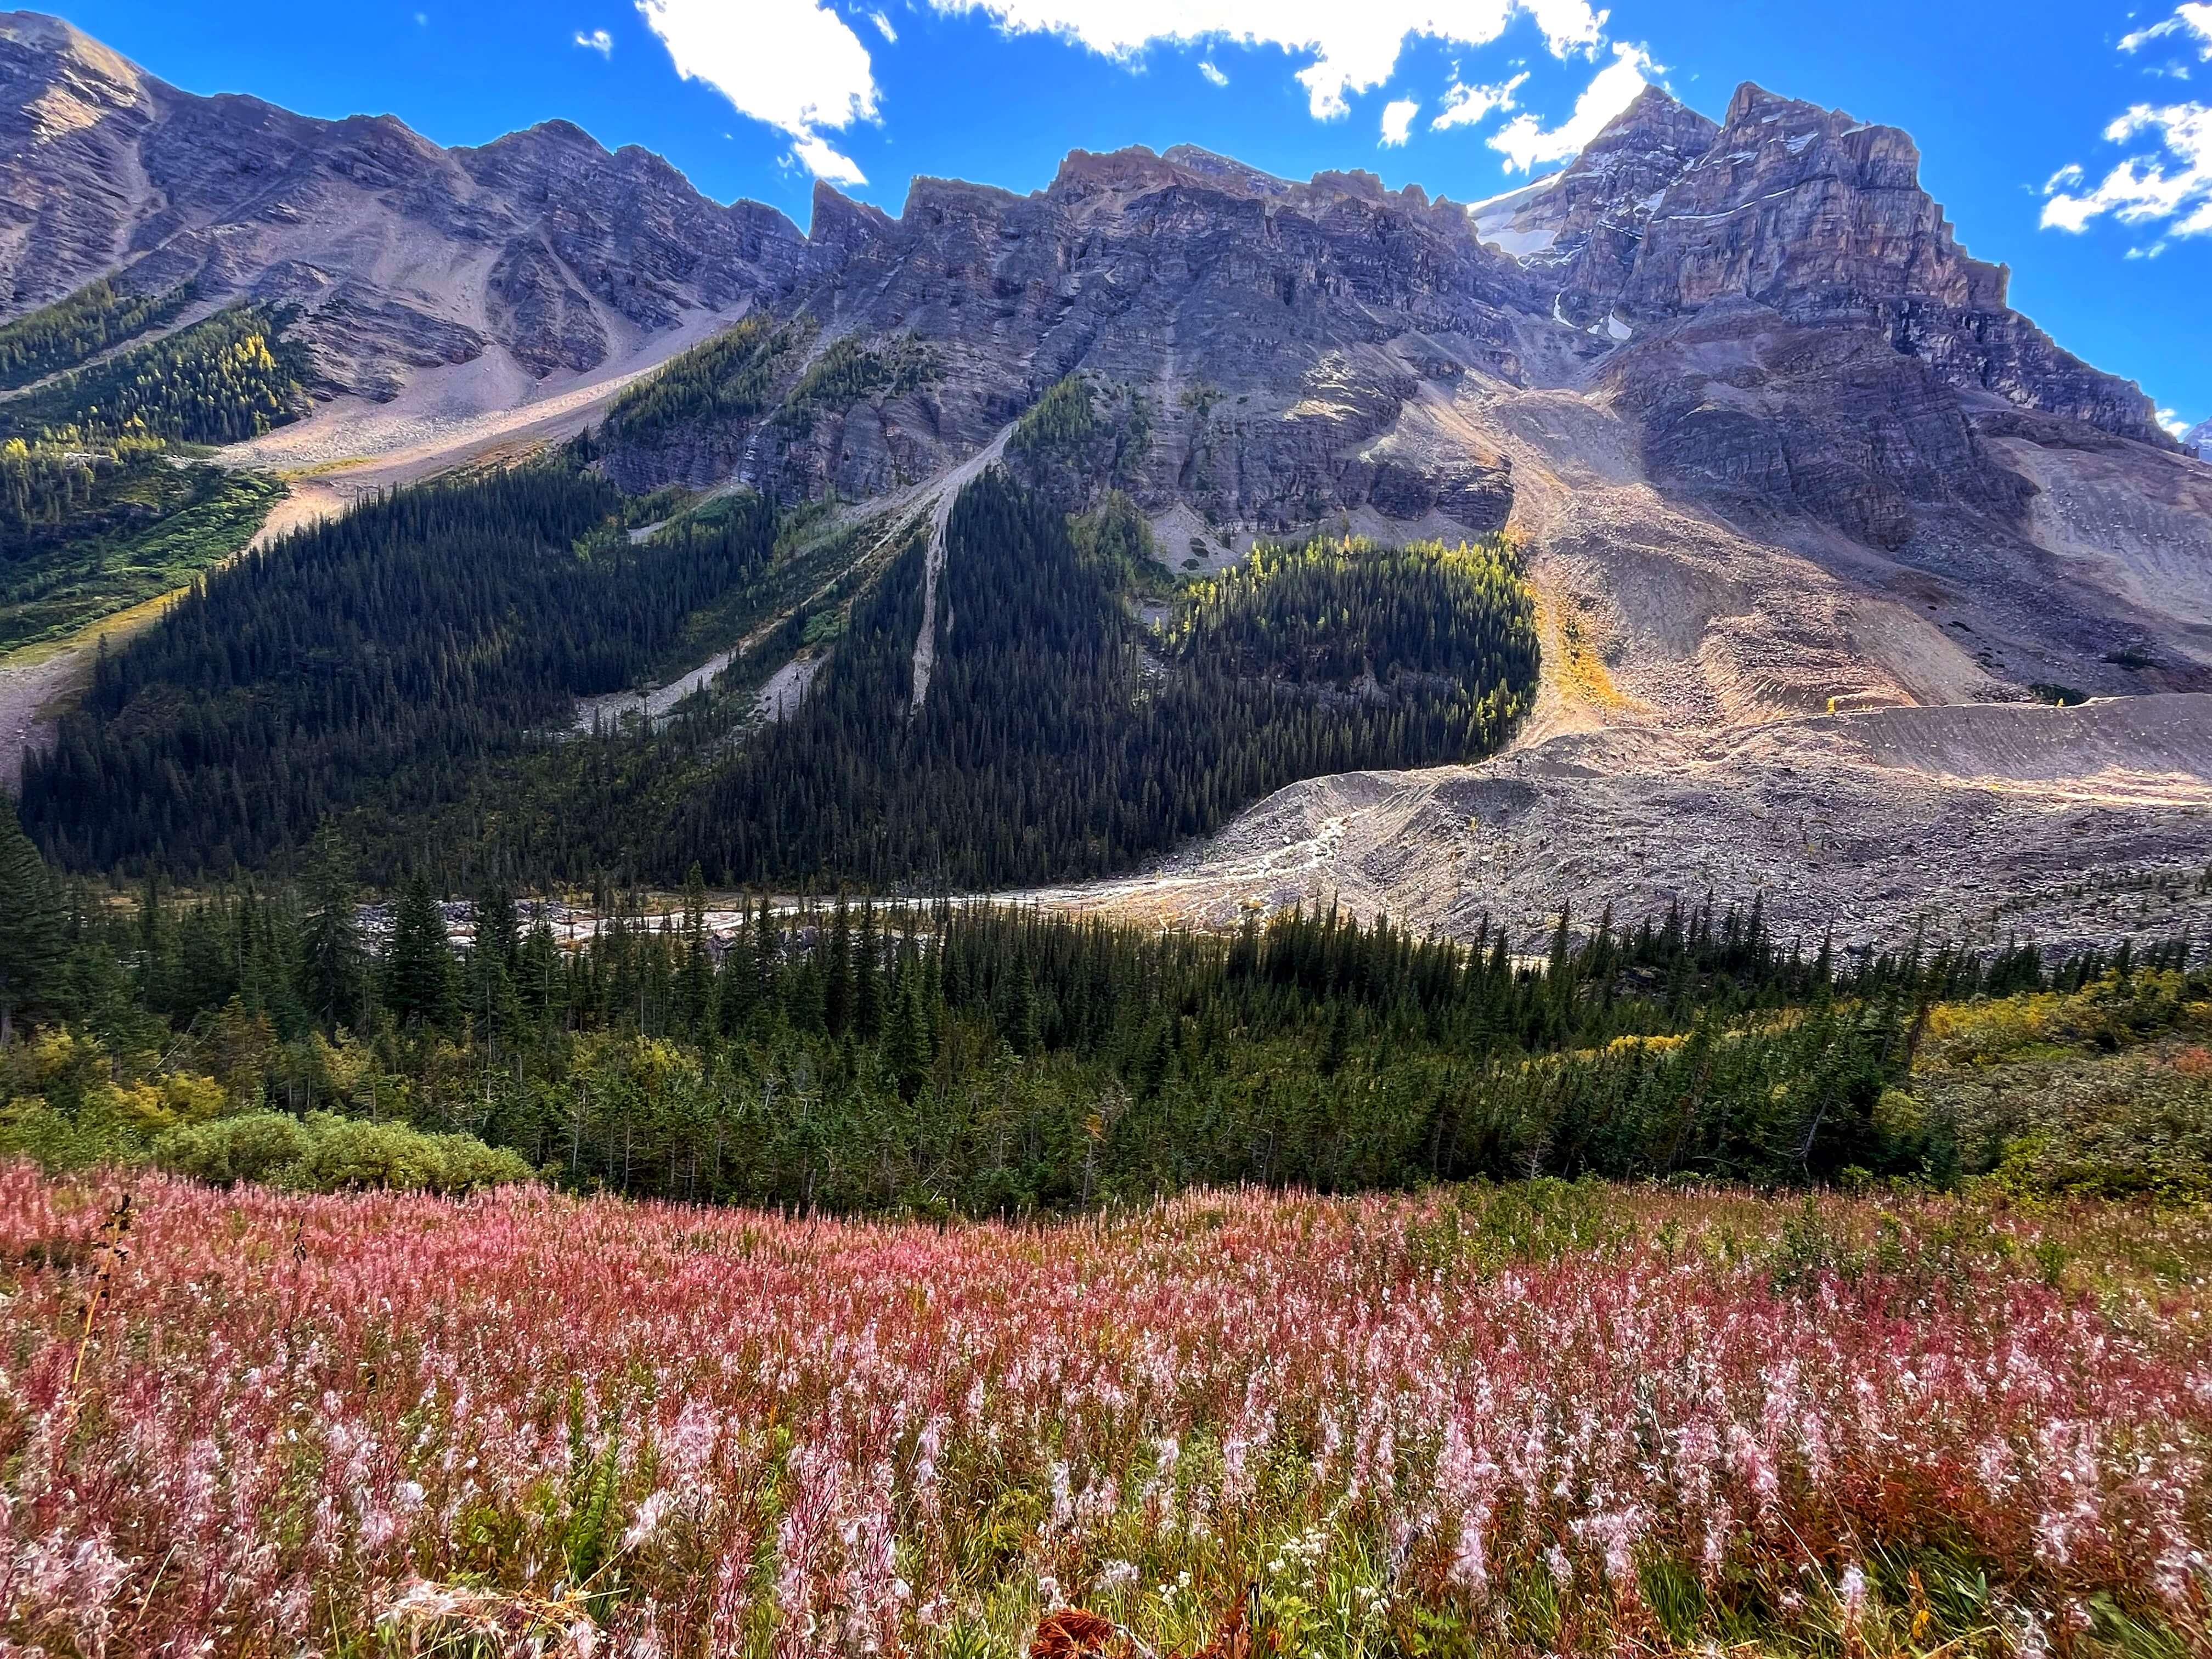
1517	1419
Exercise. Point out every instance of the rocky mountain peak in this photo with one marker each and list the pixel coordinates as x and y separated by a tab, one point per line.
1587	221
1654	120
1225	170
399	257
1752	104
1084	174
840	222
1272	339
42	56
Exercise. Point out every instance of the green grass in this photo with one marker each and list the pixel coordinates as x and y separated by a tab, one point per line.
160	526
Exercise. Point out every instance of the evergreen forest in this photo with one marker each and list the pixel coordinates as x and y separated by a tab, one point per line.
80	326
939	1057
229	377
416	664
102	505
392	650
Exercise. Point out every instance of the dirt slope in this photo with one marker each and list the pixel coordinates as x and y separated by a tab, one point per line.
1985	822
1783	714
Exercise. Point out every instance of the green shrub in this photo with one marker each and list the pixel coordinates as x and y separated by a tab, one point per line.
326	1153
58	1142
250	1146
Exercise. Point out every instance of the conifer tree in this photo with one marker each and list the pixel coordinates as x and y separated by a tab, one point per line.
1022	1025
418	970
333	977
867	976
838	983
905	1041
31	925
490	998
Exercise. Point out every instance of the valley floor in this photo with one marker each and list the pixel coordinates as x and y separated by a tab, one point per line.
1518	1419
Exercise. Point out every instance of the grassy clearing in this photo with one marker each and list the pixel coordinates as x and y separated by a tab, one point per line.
163	527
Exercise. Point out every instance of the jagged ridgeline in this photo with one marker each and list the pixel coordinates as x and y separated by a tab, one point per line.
1054	736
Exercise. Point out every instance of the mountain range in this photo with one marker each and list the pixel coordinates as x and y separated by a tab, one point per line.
1819	527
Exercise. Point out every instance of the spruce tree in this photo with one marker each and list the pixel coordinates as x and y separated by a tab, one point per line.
491	999
867	976
905	1042
418	970
1021	1029
837	972
333	979
30	926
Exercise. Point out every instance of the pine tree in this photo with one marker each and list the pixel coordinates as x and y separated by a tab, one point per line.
905	1042
491	1001
867	976
1336	1047
31	925
418	968
1021	1024
837	976
333	977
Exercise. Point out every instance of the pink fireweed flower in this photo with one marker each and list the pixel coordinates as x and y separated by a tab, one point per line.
792	1430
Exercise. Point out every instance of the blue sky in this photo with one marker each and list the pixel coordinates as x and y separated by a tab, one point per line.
2071	139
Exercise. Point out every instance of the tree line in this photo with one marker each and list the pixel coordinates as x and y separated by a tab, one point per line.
227	377
390	651
1060	739
939	1057
80	325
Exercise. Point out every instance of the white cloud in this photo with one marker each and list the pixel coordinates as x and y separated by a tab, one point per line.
598	40
1355	47
1398	119
2174	425
799	67
2194	18
1524	142
2169	186
791	63
1464	105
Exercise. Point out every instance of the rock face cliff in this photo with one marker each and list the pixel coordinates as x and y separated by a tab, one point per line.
1815	216
397	255
1283	347
1255	340
1775	438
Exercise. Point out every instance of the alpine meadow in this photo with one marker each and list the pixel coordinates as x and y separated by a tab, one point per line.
1176	915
